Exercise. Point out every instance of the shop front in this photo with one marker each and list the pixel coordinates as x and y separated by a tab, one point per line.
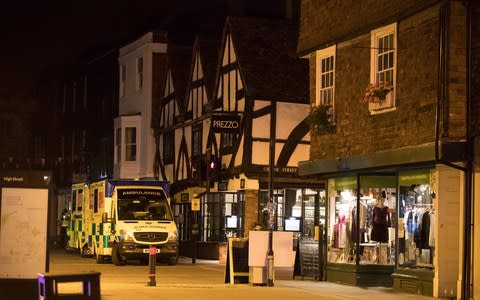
395	218
397	228
233	209
417	219
362	220
204	228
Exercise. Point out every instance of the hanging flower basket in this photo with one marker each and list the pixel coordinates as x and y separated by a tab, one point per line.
376	93
321	119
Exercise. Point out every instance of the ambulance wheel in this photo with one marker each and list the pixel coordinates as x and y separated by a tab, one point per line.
172	261
85	251
116	258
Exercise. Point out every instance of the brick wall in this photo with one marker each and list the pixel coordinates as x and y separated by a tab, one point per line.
413	121
330	20
457	70
251	210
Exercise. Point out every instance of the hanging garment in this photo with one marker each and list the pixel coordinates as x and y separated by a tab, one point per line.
425	231
407	224
381	222
417	234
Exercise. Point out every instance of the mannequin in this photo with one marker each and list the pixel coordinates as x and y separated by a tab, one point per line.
380	221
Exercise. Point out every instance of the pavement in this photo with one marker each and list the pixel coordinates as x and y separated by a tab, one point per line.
205	280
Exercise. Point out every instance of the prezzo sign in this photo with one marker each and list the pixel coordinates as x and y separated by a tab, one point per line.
225	123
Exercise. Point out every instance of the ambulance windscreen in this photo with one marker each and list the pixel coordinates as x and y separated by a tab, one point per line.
143	204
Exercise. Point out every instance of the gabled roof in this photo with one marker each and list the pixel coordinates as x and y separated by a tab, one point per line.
179	63
266	53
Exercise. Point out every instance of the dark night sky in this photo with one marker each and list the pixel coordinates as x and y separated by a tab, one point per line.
35	34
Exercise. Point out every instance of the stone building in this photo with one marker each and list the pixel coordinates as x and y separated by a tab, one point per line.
394	81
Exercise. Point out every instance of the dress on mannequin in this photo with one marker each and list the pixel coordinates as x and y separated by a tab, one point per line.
381	222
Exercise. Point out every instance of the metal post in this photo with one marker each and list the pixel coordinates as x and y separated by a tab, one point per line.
270	270
152	261
194	237
271	209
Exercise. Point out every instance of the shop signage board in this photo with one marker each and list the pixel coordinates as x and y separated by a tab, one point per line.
195	204
226	123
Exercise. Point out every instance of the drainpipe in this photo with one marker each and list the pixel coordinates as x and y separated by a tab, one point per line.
272	207
468	169
442	94
467	263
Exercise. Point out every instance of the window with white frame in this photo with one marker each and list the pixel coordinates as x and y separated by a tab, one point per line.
130	144
383	67
325	86
123	80
139	73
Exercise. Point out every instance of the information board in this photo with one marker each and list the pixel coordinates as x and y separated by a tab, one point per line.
23	232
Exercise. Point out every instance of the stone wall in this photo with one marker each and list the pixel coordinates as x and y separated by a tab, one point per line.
328	21
413	122
251	210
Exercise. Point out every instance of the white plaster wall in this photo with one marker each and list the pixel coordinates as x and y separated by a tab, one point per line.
476	240
301	153
240	153
139	101
205	131
289	115
450	194
261	127
169	172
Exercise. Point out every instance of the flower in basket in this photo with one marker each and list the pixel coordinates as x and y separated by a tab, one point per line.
376	92
321	118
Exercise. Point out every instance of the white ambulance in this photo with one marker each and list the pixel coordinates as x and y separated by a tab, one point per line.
75	238
123	218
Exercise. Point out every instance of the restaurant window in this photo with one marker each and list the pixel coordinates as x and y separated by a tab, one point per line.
222	216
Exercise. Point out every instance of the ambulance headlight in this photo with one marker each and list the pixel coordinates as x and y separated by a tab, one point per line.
126	236
172	236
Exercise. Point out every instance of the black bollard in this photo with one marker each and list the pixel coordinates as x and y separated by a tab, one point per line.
152	261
